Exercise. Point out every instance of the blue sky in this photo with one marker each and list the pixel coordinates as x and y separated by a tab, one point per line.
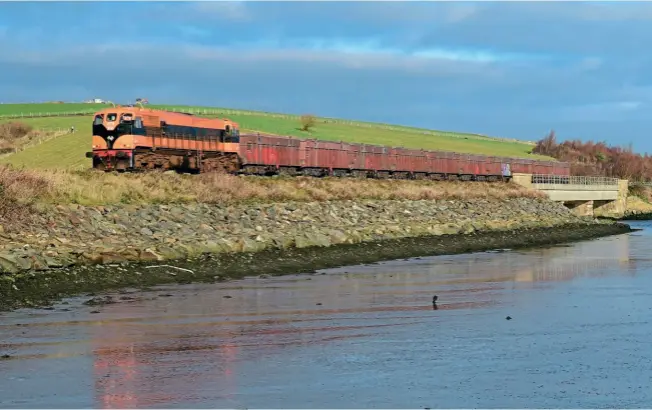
499	68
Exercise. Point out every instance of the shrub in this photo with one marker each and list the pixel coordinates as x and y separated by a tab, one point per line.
597	158
307	121
14	130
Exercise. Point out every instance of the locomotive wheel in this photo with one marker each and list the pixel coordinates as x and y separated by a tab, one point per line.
99	165
227	163
153	160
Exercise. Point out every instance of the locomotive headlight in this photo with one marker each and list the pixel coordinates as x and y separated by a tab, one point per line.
110	138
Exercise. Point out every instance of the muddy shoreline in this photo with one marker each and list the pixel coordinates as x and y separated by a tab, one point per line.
645	216
627	217
42	289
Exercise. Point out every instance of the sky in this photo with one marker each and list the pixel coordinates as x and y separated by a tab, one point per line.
510	69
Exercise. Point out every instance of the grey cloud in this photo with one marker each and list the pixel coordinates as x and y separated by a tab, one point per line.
119	53
213	12
559	28
596	12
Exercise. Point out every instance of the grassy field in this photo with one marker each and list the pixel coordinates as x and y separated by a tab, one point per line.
65	152
68	151
45	109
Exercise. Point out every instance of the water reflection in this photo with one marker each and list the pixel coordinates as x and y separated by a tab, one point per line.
114	371
356	336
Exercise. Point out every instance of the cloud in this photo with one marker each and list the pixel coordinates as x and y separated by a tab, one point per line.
602	112
193	31
432	62
222	10
600	12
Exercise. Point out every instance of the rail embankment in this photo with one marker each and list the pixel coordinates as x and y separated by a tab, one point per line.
314	223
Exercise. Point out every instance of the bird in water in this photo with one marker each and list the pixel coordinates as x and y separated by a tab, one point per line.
508	318
434	302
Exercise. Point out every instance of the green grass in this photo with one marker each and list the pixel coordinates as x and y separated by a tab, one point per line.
46	109
68	151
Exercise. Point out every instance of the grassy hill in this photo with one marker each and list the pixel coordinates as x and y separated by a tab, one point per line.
68	151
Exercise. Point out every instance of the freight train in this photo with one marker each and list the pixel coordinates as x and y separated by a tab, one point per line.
138	139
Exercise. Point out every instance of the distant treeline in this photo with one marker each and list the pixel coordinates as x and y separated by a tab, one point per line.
597	158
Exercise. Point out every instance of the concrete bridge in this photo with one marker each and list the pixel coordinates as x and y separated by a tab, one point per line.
594	196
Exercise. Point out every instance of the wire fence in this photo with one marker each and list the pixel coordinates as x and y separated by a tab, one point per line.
232	112
42	135
46	134
44	114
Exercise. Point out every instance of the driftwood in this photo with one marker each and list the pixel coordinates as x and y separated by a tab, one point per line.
169	266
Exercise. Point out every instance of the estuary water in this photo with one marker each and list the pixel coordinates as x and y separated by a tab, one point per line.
357	337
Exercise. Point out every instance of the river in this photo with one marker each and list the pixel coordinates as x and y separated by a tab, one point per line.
357	337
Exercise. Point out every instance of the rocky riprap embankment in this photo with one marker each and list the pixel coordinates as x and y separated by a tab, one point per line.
69	235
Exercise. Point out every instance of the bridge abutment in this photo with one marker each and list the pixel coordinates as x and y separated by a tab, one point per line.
523	180
580	208
616	208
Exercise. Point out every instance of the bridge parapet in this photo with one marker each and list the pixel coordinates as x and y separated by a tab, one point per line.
573	183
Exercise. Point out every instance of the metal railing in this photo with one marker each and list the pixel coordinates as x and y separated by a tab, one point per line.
574	182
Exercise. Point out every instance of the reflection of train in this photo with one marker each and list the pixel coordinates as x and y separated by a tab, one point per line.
134	138
128	366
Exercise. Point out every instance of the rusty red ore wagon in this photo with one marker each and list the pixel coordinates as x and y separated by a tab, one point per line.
133	138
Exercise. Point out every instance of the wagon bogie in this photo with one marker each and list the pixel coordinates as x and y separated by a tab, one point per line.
341	173
314	172
288	171
437	176
401	175
360	173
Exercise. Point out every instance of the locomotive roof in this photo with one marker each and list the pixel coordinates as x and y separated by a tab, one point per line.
170	117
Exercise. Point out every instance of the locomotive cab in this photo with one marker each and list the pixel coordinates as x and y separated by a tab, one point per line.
231	133
111	126
113	134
